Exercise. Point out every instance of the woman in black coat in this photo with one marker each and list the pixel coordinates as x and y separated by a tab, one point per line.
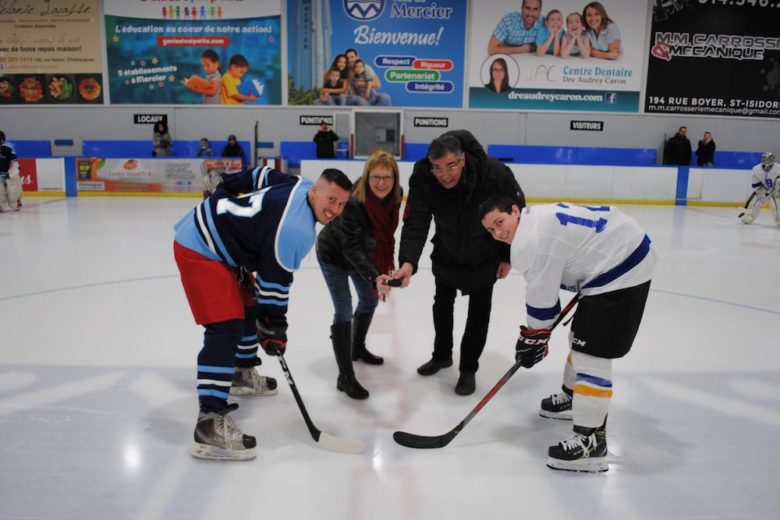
359	245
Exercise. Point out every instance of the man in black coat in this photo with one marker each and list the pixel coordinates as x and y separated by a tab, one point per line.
448	186
678	149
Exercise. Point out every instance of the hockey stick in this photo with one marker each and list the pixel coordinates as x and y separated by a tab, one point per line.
410	440
324	439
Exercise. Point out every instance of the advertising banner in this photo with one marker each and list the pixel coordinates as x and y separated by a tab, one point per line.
194	52
567	55
50	52
715	58
148	175
412	52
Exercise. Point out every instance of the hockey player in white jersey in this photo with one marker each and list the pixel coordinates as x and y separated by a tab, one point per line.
607	257
765	177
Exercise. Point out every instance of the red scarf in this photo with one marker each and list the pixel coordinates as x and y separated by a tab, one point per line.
383	215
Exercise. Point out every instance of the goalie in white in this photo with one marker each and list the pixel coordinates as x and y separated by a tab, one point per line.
10	180
765	178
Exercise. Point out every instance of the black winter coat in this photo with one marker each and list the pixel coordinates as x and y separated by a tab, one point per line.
464	254
348	241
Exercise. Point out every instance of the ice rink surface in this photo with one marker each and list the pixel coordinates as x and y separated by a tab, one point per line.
97	397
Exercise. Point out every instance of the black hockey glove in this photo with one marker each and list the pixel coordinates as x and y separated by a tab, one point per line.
531	346
272	334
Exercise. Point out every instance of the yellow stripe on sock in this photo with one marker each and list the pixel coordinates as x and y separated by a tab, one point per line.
590	391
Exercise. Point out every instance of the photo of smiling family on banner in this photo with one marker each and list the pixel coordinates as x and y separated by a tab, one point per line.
557	55
376	53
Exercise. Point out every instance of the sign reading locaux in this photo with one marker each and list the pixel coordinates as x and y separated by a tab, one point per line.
149	119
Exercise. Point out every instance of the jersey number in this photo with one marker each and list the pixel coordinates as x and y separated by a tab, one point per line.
598	224
254	207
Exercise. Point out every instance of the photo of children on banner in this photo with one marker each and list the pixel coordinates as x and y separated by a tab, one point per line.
210	86
231	81
589	34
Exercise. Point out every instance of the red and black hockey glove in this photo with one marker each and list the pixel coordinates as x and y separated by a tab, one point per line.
531	346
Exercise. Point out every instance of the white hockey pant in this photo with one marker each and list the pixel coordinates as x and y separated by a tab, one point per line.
11	191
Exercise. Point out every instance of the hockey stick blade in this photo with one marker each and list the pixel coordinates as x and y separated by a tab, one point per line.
323	439
423	442
410	440
340	444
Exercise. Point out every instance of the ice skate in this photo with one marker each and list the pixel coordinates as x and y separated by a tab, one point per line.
584	453
557	406
218	438
246	381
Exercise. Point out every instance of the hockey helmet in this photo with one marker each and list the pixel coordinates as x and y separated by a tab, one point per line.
767	160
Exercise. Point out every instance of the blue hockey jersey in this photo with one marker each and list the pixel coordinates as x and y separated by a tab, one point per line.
267	231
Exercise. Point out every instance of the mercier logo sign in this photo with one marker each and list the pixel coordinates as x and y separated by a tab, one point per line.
364	10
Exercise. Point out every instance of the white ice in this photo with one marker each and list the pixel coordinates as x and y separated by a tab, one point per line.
97	397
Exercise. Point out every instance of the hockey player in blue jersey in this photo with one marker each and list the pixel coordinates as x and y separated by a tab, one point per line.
231	242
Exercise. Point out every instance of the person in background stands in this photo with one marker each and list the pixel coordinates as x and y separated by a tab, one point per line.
234	149
677	150
204	150
326	139
360	245
161	140
705	151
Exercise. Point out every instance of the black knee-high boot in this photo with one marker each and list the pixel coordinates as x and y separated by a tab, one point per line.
360	323
346	382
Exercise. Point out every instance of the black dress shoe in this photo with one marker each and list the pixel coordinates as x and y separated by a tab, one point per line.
433	366
466	384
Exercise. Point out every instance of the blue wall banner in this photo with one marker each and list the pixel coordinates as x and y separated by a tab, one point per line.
194	52
415	49
573	56
716	58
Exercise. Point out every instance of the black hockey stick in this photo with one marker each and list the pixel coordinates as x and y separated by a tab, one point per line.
324	439
410	440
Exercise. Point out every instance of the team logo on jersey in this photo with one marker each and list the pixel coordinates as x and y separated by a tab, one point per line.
578	342
364	10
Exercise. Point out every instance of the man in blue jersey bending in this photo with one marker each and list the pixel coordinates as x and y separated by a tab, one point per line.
235	251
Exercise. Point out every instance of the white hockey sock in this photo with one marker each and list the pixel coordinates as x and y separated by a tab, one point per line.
592	389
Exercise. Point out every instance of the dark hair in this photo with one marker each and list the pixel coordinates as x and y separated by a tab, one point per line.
443	145
164	127
351	50
540	5
2	137
358	61
210	54
333	175
505	82
238	60
500	202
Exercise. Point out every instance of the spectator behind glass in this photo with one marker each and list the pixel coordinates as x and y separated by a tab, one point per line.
161	140
705	152
204	150
499	76
233	149
325	139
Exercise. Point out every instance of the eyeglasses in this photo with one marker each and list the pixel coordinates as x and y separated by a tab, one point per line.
380	178
450	168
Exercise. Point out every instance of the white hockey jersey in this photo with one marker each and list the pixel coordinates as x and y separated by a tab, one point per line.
761	179
593	249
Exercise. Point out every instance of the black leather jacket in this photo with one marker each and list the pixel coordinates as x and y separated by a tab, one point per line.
348	241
